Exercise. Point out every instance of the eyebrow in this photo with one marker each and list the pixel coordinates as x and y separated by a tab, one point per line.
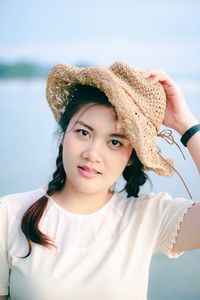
122	136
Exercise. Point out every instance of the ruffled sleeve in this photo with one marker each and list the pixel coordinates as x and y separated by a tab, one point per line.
4	265
170	214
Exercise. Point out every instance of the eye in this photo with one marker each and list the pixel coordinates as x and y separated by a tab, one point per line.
82	132
116	142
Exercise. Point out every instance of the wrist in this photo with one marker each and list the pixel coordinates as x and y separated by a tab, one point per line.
181	128
189	133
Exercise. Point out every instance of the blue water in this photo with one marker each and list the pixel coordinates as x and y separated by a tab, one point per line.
28	151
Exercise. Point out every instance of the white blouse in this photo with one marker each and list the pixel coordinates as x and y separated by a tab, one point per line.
102	255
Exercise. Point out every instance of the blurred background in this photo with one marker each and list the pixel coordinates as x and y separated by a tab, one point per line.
35	35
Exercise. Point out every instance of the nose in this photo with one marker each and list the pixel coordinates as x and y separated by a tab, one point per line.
93	152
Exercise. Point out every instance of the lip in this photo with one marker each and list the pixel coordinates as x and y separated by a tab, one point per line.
89	170
91	173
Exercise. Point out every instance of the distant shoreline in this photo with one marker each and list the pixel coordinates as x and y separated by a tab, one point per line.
27	70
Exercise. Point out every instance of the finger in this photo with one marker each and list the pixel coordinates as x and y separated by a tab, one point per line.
154	79
162	77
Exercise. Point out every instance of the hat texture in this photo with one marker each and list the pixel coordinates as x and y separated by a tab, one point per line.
139	104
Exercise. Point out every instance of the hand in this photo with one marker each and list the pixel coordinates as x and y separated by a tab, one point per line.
177	114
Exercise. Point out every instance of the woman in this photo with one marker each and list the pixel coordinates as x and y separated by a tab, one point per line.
79	238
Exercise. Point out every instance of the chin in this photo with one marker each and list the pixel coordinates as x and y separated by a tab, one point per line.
86	189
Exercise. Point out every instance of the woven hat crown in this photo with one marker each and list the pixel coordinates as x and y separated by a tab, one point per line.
146	95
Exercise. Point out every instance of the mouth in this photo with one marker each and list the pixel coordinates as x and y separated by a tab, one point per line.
90	171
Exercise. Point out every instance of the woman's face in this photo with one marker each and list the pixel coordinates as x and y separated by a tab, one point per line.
90	140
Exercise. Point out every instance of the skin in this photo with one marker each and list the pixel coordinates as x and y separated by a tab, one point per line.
97	150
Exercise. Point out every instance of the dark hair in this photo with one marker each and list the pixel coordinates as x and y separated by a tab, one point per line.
79	96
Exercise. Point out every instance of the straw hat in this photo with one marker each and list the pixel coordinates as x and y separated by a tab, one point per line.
139	104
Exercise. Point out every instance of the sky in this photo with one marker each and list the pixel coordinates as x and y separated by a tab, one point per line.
159	34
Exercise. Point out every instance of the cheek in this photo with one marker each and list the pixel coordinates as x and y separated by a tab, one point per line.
122	158
69	146
67	142
126	153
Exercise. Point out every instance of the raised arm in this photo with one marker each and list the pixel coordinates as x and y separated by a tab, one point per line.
179	117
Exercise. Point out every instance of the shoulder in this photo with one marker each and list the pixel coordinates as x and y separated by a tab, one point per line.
16	204
143	200
153	202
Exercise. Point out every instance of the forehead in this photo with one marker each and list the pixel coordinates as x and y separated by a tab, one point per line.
99	115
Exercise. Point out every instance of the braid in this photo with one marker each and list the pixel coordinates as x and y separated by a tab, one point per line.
59	176
135	176
33	215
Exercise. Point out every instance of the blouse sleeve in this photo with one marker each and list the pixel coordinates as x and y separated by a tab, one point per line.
4	265
170	213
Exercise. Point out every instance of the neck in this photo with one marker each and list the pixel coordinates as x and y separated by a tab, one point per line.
82	203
